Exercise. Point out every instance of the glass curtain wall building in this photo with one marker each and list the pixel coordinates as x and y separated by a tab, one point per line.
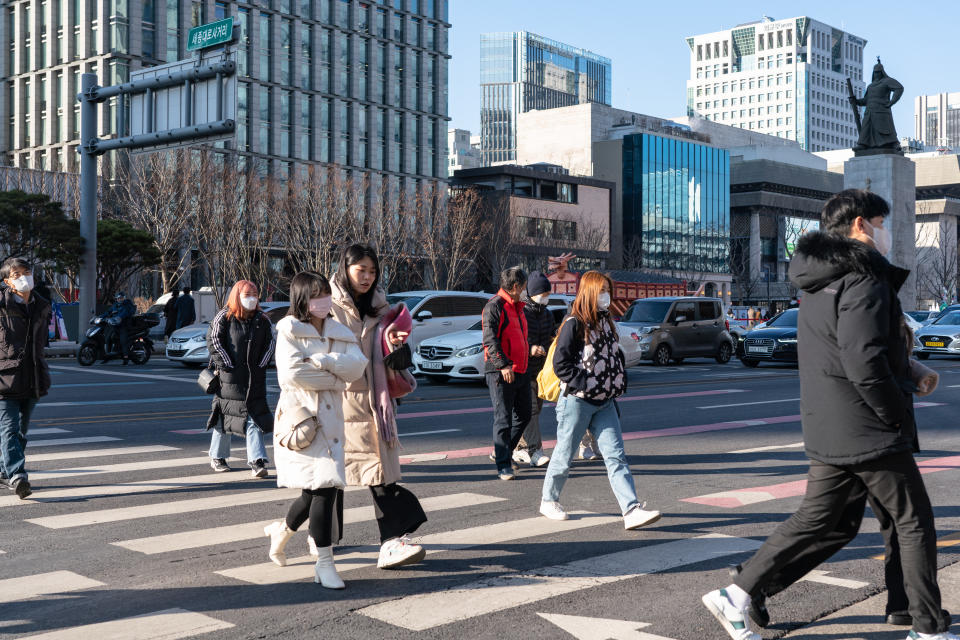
520	72
355	84
937	120
676	202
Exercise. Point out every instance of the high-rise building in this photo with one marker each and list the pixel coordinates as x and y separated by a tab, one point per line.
521	71
356	84
785	78
936	119
461	152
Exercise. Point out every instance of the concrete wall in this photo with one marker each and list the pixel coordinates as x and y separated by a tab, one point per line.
591	213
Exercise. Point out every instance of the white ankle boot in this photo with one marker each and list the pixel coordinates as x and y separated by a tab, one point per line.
312	546
279	535
325	573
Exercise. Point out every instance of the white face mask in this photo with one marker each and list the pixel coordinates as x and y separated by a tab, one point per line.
23	283
320	307
603	301
249	302
543	298
882	239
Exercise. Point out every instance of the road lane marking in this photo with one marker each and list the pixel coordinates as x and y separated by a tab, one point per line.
94	384
497	533
120	467
46	431
98	453
124	374
428	610
658	396
821	577
78	494
735	498
252	530
44	584
86	518
169	624
949	540
793	445
747	404
586	628
84	403
65	441
429	433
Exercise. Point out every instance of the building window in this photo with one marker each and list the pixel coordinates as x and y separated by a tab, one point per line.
343	64
286	51
306	57
264	50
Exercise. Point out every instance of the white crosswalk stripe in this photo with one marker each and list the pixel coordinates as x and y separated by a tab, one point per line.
302	568
169	624
58	442
252	530
41	584
96	453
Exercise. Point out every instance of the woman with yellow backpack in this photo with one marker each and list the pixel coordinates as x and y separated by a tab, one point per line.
584	374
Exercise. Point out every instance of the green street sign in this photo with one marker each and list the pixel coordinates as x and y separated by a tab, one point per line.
210	35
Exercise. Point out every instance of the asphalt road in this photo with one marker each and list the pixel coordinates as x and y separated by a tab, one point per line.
127	518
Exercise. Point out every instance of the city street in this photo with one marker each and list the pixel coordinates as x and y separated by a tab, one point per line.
128	520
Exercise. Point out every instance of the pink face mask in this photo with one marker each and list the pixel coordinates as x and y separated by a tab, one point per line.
320	307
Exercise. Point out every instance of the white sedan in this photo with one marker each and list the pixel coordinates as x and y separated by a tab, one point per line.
460	354
188	345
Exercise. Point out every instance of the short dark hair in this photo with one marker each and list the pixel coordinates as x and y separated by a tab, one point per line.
186	291
14	263
511	277
350	256
843	208
303	286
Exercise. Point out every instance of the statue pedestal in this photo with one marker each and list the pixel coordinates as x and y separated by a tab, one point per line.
893	178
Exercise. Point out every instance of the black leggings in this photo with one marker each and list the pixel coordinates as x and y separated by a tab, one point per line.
324	507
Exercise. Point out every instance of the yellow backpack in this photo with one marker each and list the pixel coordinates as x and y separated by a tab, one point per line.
548	384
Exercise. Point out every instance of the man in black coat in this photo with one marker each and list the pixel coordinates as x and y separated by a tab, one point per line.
857	412
24	377
540	331
186	310
170	314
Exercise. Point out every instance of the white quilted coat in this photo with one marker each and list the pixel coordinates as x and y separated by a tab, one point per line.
313	371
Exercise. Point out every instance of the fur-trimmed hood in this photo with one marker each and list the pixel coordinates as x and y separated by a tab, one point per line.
822	257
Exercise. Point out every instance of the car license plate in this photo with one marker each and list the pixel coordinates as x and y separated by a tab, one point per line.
431	365
933	344
756	349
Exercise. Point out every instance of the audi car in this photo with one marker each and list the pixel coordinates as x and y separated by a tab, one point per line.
776	341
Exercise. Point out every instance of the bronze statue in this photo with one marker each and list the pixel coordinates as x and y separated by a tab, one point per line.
877	132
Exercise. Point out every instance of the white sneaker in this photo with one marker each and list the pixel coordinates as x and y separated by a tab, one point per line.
586	453
943	635
552	510
639	517
397	552
521	456
539	459
733	621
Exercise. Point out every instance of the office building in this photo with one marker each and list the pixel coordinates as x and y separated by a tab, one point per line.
785	78
462	151
521	71
937	120
351	84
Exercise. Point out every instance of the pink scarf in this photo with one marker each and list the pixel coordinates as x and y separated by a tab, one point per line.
387	383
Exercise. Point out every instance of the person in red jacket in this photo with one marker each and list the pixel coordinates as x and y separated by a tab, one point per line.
506	354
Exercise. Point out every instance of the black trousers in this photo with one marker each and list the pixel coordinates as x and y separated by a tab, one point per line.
846	530
511	414
895	484
398	511
324	507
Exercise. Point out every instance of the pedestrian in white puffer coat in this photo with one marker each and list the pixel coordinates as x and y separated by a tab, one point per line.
316	358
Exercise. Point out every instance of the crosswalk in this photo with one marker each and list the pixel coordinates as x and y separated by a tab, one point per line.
192	514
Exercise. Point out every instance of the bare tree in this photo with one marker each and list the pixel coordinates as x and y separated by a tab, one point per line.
501	234
153	196
746	279
385	224
633	254
937	256
449	231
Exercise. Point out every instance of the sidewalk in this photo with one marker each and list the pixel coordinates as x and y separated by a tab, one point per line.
862	621
61	348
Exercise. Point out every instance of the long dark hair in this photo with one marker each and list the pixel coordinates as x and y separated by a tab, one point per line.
350	256
303	286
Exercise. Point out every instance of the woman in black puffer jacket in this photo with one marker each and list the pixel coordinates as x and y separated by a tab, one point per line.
241	342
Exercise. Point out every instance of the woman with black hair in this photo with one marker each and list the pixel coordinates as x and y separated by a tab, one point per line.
316	358
372	446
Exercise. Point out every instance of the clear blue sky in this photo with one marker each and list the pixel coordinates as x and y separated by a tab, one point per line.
645	41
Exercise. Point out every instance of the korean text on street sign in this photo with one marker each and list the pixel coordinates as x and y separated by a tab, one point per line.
209	35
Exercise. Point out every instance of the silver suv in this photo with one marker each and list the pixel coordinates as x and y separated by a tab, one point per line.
671	329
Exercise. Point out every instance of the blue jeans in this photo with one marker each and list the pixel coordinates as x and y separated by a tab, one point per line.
220	444
574	417
14	420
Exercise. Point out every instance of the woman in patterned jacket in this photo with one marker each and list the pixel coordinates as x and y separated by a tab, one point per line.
588	362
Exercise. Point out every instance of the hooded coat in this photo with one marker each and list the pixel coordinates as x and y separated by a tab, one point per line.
369	461
855	384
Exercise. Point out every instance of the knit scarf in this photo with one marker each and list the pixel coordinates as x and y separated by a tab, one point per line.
386	420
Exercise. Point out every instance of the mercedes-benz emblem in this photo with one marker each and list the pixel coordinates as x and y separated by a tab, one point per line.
432	354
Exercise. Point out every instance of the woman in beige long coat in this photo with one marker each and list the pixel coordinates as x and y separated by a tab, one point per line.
372	450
